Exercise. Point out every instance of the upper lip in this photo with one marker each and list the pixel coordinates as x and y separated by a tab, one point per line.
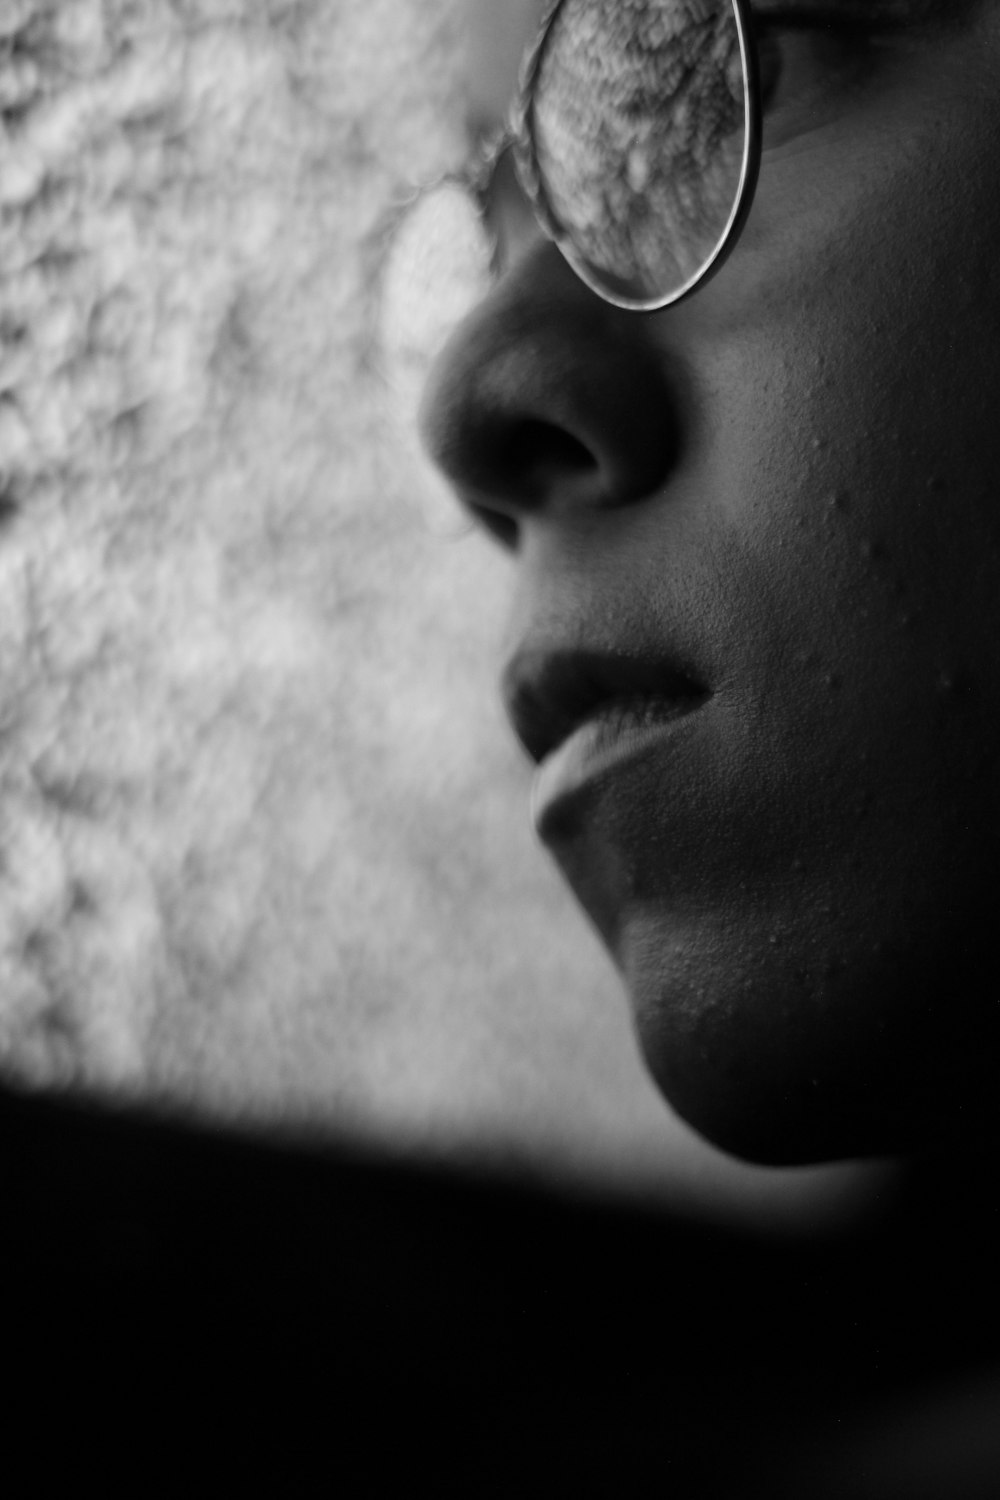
548	692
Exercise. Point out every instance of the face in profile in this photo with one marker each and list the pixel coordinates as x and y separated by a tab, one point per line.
755	548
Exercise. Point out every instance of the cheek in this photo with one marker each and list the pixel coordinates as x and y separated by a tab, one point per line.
860	327
855	452
811	951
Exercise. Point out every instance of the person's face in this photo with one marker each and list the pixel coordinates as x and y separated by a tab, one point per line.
770	516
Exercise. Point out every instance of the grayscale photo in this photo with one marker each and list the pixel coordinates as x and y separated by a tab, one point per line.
500	705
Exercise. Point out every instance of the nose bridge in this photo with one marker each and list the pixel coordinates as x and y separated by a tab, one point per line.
546	397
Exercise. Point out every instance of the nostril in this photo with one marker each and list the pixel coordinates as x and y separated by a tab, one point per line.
512	463
500	526
537	447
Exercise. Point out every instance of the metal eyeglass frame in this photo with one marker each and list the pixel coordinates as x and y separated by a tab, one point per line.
518	138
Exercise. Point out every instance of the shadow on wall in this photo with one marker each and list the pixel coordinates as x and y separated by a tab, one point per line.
263	847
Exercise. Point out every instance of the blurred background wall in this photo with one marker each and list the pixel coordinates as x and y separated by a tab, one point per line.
264	846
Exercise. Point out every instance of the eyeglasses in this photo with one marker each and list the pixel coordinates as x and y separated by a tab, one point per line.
634	144
637	140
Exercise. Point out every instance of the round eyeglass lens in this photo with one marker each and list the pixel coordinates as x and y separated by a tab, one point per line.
640	140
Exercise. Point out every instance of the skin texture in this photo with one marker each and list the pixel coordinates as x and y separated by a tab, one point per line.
785	486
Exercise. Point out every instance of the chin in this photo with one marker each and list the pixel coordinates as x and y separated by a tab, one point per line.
759	1114
789	1063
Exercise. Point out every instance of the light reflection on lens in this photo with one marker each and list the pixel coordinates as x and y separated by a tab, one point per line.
638	122
639	151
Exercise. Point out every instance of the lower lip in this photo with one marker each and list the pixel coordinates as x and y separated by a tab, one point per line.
603	745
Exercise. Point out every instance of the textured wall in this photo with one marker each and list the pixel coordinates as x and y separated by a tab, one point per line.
262	841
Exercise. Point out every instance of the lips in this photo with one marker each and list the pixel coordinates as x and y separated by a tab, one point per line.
550	694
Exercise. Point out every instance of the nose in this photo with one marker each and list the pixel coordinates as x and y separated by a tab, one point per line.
547	399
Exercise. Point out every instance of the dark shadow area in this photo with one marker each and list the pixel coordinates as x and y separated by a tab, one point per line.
207	1308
